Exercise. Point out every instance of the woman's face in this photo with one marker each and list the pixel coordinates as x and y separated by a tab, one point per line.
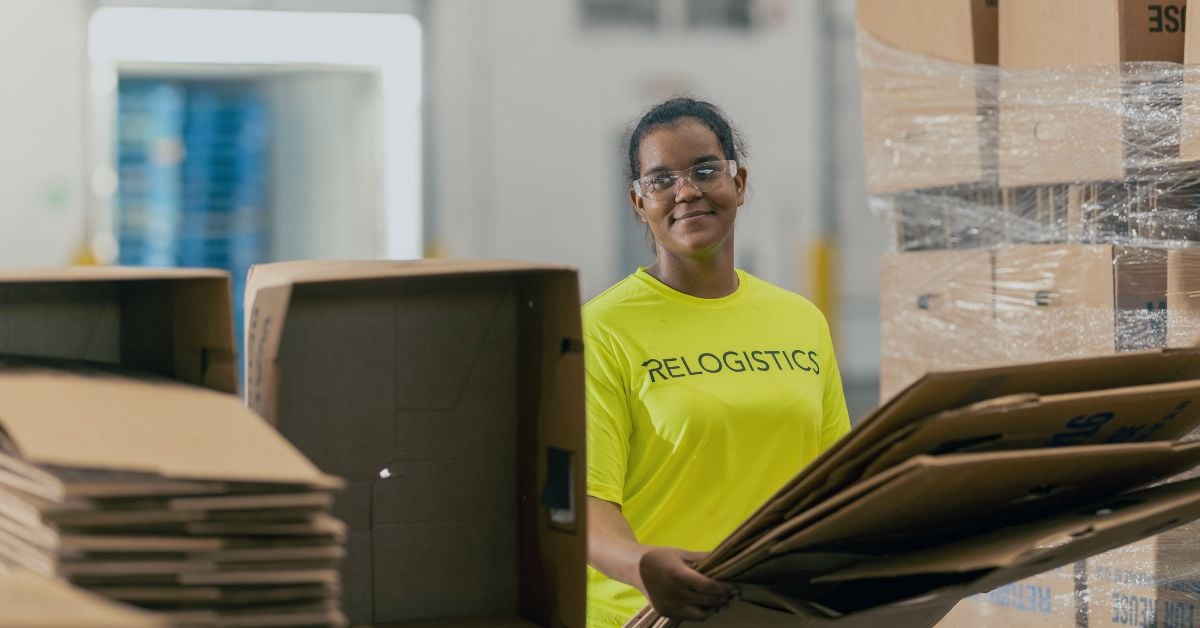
689	224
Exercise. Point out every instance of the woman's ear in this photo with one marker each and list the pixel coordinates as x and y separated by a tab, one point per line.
636	201
739	180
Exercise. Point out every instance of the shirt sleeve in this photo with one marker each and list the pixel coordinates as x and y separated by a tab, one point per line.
609	424
836	418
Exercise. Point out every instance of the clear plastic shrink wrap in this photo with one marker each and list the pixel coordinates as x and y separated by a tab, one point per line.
1041	214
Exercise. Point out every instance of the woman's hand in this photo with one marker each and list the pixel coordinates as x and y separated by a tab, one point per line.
676	589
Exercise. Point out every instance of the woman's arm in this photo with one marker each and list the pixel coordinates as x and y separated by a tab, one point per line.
666	575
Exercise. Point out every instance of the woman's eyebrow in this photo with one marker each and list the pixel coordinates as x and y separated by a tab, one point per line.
699	160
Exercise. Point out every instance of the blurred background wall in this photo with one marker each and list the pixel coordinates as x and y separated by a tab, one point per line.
463	128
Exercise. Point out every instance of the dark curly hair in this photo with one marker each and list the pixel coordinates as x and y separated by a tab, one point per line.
676	109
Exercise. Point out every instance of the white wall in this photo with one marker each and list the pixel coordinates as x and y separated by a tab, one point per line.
42	56
325	194
528	109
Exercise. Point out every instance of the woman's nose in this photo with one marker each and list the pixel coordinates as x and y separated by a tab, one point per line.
687	191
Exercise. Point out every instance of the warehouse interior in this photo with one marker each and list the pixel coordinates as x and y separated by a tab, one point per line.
340	247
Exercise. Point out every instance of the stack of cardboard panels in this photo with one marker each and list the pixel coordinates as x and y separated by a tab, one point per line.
966	481
1089	201
128	469
36	602
449	395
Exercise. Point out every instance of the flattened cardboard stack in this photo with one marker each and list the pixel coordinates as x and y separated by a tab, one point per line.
122	479
964	482
35	602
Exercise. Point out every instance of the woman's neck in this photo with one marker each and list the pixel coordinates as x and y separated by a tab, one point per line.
706	278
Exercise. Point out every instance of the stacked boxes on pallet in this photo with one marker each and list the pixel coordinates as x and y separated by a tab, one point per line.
1036	161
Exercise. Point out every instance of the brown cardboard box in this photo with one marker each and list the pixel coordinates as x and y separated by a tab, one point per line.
449	395
1023	303
1155	582
1189	141
1121	586
1070	124
936	310
1079	300
1183	298
921	117
175	323
1045	600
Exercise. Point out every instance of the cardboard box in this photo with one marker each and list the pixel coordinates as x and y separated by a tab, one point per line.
1023	303
1189	141
936	312
1075	117
449	395
1080	300
1155	582
922	120
1047	599
1183	298
176	323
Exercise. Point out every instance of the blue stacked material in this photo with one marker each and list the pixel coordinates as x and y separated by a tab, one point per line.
223	217
149	150
215	206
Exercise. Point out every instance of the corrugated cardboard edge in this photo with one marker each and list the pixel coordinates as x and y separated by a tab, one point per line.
106	273
279	273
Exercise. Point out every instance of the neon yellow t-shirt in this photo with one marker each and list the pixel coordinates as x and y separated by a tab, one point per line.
699	410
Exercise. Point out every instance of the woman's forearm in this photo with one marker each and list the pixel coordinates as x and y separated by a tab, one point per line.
612	547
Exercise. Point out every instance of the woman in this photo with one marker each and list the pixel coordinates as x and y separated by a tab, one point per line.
707	388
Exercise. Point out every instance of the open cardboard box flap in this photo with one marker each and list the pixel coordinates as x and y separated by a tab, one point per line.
105	422
172	322
269	290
